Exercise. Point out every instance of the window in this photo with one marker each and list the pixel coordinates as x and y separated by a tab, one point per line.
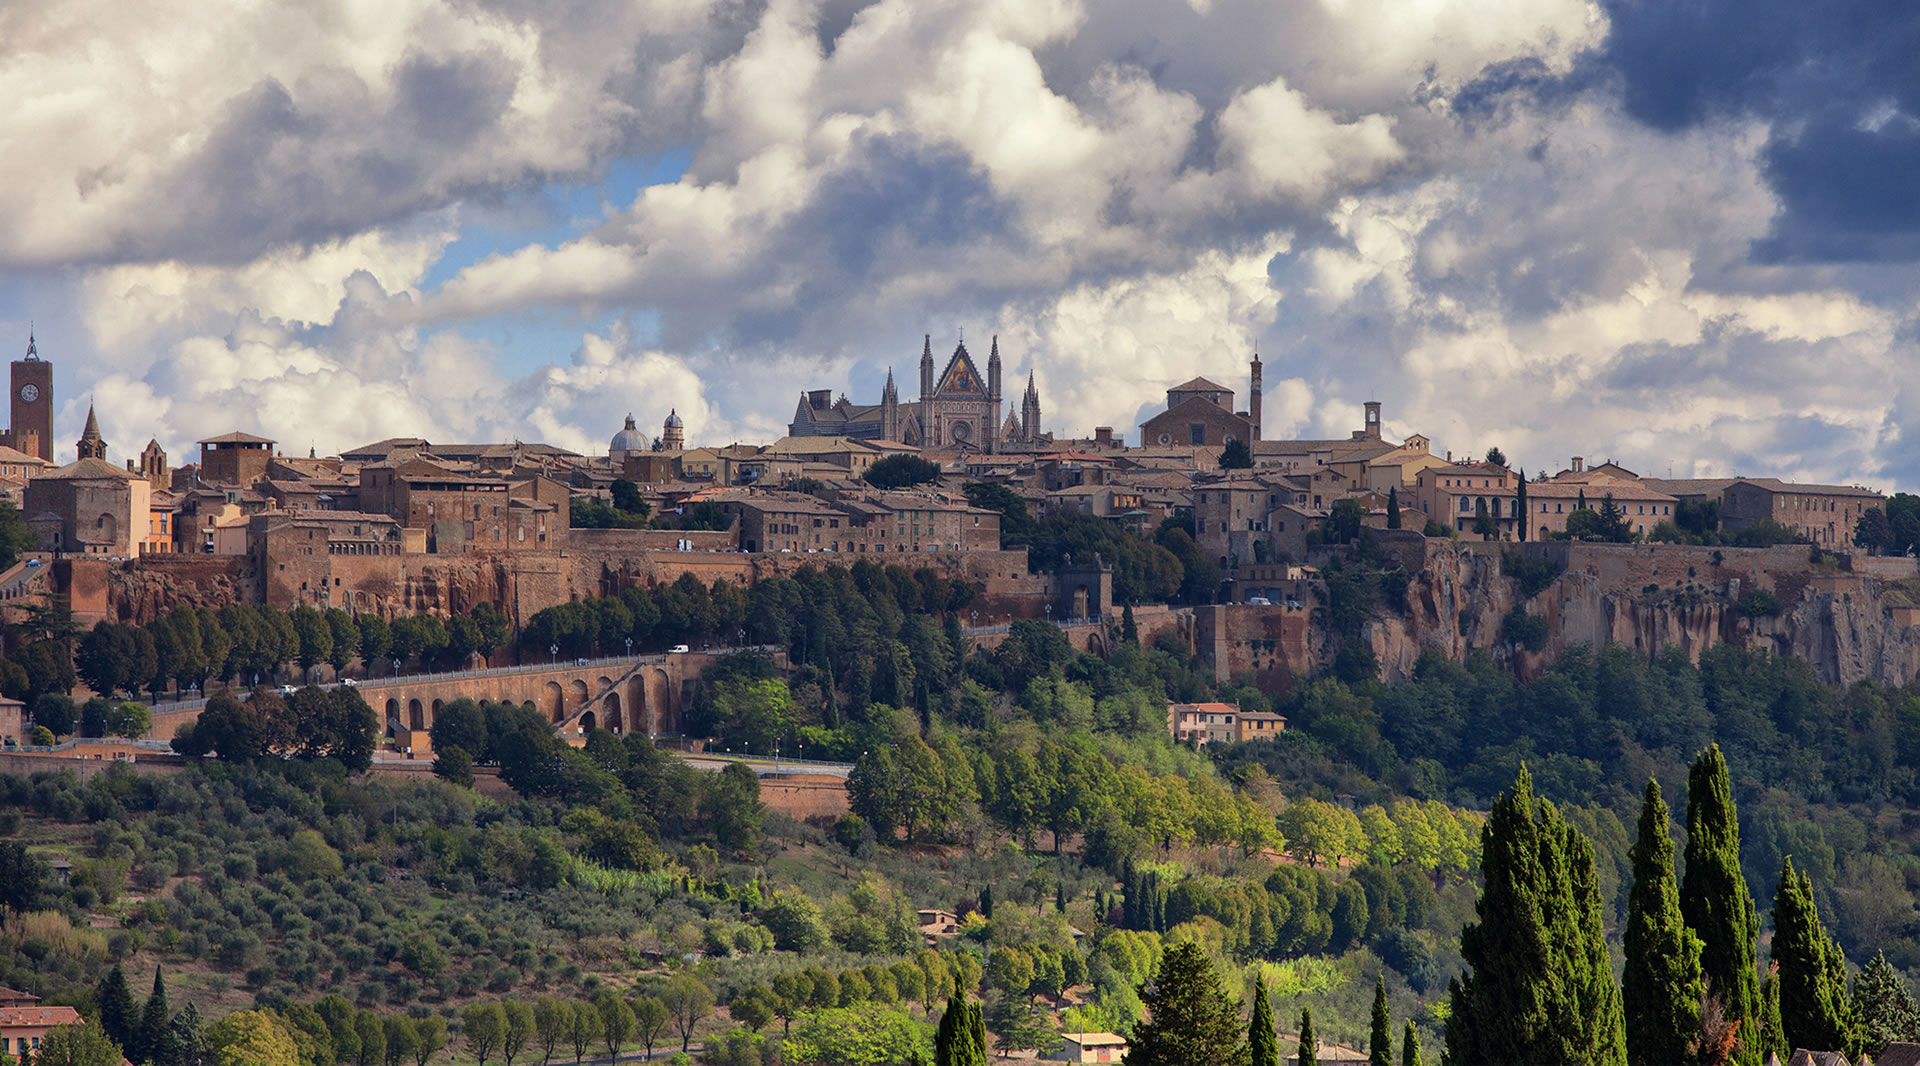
1196	434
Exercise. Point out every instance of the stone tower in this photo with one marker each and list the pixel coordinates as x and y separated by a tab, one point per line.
1030	411
890	410
673	435
31	426
926	391
90	446
993	396
153	465
1253	398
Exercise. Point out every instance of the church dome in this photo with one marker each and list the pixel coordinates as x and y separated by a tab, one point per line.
629	439
673	418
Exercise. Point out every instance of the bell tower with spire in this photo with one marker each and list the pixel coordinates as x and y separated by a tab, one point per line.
90	446
31	409
1030	411
890	410
926	388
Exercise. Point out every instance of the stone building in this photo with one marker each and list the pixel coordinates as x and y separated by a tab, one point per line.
959	410
1827	515
89	507
234	459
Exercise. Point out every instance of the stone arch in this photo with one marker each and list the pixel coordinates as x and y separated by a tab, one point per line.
435	716
1080	601
416	716
587	722
577	694
659	710
555	701
615	721
393	717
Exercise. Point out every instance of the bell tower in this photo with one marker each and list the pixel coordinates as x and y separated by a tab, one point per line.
31	405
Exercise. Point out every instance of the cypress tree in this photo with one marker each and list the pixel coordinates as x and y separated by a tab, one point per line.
1714	897
1191	1017
961	1039
1309	1046
1814	1010
155	1037
1767	1039
1393	508
1660	989
1380	1047
986	901
1884	1007
1541	982
1520	507
1410	1046
116	1007
1263	1042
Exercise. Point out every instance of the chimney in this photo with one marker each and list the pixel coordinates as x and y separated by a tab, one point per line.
1579	464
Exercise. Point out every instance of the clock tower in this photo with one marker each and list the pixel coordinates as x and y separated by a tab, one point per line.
31	405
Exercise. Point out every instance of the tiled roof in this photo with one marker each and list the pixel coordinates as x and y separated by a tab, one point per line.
36	1017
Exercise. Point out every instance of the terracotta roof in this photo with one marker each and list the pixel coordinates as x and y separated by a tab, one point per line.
36	1017
1200	385
88	470
235	438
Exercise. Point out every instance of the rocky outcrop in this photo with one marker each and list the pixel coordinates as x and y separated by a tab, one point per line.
1653	598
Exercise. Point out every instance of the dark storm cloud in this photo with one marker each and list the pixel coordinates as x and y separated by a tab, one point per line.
310	164
1837	82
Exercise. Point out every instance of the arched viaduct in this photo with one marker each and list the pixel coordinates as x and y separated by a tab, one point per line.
647	693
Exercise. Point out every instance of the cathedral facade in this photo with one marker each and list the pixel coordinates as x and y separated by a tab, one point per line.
959	410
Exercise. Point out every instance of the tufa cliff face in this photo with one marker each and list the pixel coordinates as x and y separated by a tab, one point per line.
1652	598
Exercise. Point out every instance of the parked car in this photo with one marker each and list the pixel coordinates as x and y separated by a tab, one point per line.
285	690
678	649
349	682
33	562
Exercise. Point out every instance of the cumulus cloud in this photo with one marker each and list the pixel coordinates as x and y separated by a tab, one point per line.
1552	225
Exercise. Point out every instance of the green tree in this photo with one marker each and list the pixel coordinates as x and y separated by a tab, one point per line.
1714	897
1236	456
961	1039
253	1038
517	1031
1483	525
1815	1012
431	1035
21	878
1410	1046
403	1039
315	637
584	1029
81	1043
1345	520
1192	1018
1393	508
1380	1042
752	1008
1661	987
1309	1053
115	1001
1541	983
376	640
617	1023
688	1001
345	639
899	471
485	1025
650	1019
154	1040
373	1039
552	1018
1263	1040
1885	1007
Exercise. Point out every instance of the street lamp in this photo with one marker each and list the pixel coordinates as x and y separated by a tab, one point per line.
974	618
553	654
629	647
396	667
743	637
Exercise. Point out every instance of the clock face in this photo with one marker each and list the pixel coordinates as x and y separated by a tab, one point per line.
29	392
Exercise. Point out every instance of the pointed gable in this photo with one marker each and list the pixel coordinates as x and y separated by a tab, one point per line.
961	377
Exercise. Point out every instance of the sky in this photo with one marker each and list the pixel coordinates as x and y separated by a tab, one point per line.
1683	236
